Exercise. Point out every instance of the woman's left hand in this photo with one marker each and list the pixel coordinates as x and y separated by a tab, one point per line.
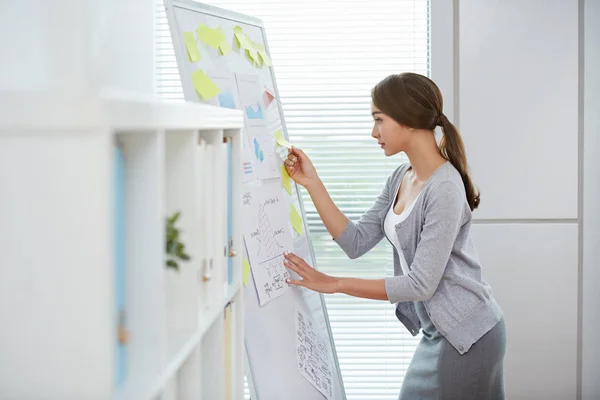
311	278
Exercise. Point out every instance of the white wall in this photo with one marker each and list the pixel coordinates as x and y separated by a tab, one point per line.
78	47
591	203
510	74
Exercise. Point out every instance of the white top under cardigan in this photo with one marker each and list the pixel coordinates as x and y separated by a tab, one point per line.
389	225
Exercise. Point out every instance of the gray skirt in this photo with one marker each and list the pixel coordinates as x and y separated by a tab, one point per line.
439	372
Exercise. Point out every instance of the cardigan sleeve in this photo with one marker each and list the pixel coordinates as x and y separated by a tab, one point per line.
361	236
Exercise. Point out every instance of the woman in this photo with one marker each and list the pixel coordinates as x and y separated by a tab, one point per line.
425	212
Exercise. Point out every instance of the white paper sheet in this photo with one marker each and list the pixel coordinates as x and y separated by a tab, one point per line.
261	142
267	235
267	164
248	171
313	355
250	91
228	95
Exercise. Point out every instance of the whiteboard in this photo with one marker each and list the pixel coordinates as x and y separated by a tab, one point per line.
272	357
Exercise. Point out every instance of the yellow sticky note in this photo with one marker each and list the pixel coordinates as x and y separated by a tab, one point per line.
286	181
224	48
245	43
204	85
240	37
210	36
296	219
281	140
252	55
252	52
190	45
245	271
262	53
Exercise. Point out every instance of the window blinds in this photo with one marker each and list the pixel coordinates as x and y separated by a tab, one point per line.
327	56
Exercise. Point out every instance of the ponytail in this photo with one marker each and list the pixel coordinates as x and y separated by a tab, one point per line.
453	150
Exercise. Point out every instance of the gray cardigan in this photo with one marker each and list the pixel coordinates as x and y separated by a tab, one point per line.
445	272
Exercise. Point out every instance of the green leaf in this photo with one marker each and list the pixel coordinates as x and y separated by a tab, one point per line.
172	264
174	217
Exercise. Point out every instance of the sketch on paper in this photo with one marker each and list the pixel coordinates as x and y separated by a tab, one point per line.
313	355
267	236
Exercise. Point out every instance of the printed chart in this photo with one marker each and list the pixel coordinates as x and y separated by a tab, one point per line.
267	236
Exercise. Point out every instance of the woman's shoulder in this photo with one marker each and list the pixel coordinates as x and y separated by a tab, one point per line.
446	186
447	176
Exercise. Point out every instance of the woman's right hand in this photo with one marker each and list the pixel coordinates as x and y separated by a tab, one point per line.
300	168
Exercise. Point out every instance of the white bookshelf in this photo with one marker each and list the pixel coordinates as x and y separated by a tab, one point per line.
57	282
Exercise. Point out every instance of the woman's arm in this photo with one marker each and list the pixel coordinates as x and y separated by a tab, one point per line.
302	171
312	279
366	288
354	238
442	224
334	220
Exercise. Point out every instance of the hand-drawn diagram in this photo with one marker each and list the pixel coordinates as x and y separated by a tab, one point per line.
267	236
313	355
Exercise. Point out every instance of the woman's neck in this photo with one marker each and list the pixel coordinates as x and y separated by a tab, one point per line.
424	155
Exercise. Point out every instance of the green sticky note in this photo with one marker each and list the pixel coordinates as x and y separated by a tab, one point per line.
210	36
190	45
286	181
246	271
281	140
296	219
204	85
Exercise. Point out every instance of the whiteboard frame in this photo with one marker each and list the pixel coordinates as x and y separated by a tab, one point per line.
193	5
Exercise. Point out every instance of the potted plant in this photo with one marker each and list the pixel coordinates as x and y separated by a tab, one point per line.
175	249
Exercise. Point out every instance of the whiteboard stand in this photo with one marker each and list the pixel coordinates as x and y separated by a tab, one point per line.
271	360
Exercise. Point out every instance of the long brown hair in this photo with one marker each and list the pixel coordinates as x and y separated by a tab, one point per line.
415	101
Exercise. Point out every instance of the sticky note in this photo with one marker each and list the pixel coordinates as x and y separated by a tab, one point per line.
270	96
224	48
245	43
281	140
296	219
190	45
286	181
262	53
204	85
252	54
245	271
240	37
210	36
